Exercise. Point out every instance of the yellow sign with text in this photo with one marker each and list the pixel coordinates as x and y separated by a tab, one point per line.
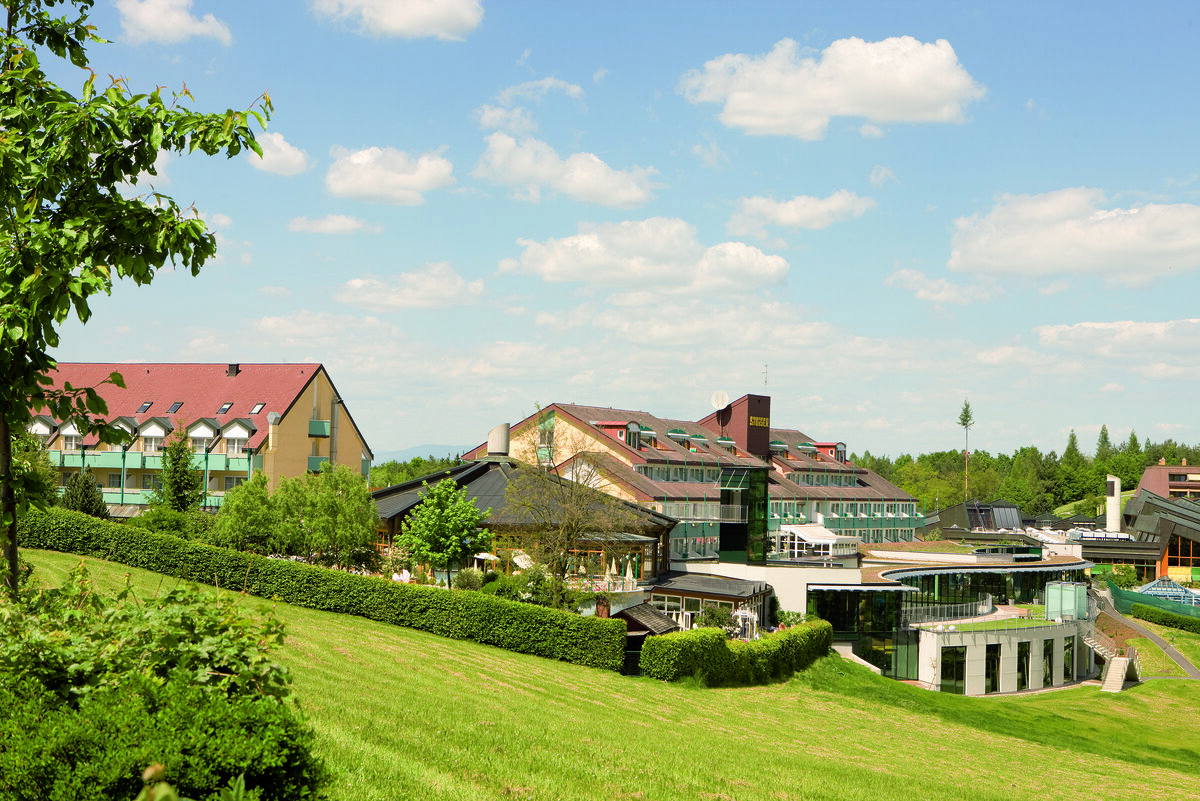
765	422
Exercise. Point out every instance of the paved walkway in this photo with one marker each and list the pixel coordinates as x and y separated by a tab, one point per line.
1179	659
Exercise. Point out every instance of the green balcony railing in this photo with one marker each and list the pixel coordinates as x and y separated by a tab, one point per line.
315	462
318	428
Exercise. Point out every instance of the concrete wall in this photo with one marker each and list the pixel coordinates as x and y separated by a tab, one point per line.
932	642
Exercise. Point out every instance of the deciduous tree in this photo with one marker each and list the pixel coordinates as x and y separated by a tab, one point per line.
182	487
444	528
69	224
329	516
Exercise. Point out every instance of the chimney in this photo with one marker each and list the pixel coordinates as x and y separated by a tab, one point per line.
273	419
1112	505
1162	460
497	443
1184	463
233	369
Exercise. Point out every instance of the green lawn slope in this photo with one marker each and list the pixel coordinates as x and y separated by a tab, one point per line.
403	714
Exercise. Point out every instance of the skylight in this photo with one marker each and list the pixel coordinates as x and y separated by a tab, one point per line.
145	407
225	407
258	407
174	407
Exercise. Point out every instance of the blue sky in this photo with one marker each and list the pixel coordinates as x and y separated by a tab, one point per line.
867	211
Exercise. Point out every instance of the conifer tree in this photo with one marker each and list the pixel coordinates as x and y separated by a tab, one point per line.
83	494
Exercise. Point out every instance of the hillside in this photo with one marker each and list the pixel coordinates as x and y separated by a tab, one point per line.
402	714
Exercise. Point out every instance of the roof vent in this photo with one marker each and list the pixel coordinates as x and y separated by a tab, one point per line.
233	370
497	443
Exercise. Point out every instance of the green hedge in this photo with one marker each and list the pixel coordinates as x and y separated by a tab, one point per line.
708	654
1163	618
514	626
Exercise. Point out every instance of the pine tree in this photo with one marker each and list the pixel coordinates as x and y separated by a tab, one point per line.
83	494
182	485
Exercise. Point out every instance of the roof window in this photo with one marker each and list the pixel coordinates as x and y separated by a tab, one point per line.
145	407
174	407
225	407
258	407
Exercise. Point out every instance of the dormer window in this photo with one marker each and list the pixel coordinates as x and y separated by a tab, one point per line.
71	442
175	407
225	407
145	407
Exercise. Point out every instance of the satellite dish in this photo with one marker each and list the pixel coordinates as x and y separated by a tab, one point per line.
720	399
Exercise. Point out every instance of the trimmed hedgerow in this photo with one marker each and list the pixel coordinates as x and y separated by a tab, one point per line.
708	655
485	619
1164	618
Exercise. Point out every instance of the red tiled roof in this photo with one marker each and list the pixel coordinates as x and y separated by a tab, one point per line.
203	389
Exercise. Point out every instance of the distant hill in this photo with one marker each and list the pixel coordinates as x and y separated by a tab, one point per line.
424	451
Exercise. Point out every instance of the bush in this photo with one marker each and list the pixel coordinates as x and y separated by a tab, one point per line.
95	690
1165	618
706	654
522	628
715	617
469	578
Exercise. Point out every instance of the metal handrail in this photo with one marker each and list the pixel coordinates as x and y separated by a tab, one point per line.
984	606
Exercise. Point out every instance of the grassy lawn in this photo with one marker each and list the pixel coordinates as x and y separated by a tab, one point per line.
932	546
1004	624
402	714
1185	642
1155	661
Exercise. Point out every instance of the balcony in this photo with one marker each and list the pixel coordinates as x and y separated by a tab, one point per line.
315	462
318	428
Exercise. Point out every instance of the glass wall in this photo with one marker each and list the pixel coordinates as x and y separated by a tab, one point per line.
1013	586
1022	666
991	668
954	669
1069	659
1047	663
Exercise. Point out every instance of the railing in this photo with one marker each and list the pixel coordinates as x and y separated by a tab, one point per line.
984	606
602	583
1011	623
1135	659
1099	641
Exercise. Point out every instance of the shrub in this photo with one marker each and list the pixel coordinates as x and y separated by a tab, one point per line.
706	654
1165	618
94	690
469	578
715	617
523	628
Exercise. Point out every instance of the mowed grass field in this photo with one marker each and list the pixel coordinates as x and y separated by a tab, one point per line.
402	714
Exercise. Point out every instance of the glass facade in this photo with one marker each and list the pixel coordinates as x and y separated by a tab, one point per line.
1047	663
954	669
1069	659
1023	666
991	668
1014	586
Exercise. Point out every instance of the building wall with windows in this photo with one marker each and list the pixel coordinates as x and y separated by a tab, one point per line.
282	419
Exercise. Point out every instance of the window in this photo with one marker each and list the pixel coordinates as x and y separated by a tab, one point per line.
235	446
174	407
1022	666
1047	663
258	407
665	603
71	442
234	481
151	481
954	669
145	407
200	444
114	481
152	444
225	407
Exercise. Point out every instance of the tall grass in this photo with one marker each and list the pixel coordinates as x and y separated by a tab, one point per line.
402	714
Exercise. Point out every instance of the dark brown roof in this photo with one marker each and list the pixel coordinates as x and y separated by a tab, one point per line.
646	617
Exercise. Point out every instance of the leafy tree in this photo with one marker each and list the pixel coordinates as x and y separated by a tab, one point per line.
444	528
329	517
83	494
558	512
249	519
69	229
182	485
391	473
35	479
966	419
716	617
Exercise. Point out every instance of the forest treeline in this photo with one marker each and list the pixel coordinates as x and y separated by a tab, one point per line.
1035	481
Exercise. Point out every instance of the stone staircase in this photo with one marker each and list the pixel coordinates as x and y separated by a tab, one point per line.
1114	674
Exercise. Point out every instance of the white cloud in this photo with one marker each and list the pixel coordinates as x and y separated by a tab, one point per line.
755	213
514	120
278	156
789	93
1112	386
937	290
167	22
1154	350
710	153
410	19
1009	355
659	253
1070	232
436	286
332	224
599	74
160	178
216	219
869	131
275	292
531	164
303	328
1053	288
881	175
536	90
386	175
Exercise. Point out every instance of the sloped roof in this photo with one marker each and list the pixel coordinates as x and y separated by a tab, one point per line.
202	388
647	617
708	584
487	482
